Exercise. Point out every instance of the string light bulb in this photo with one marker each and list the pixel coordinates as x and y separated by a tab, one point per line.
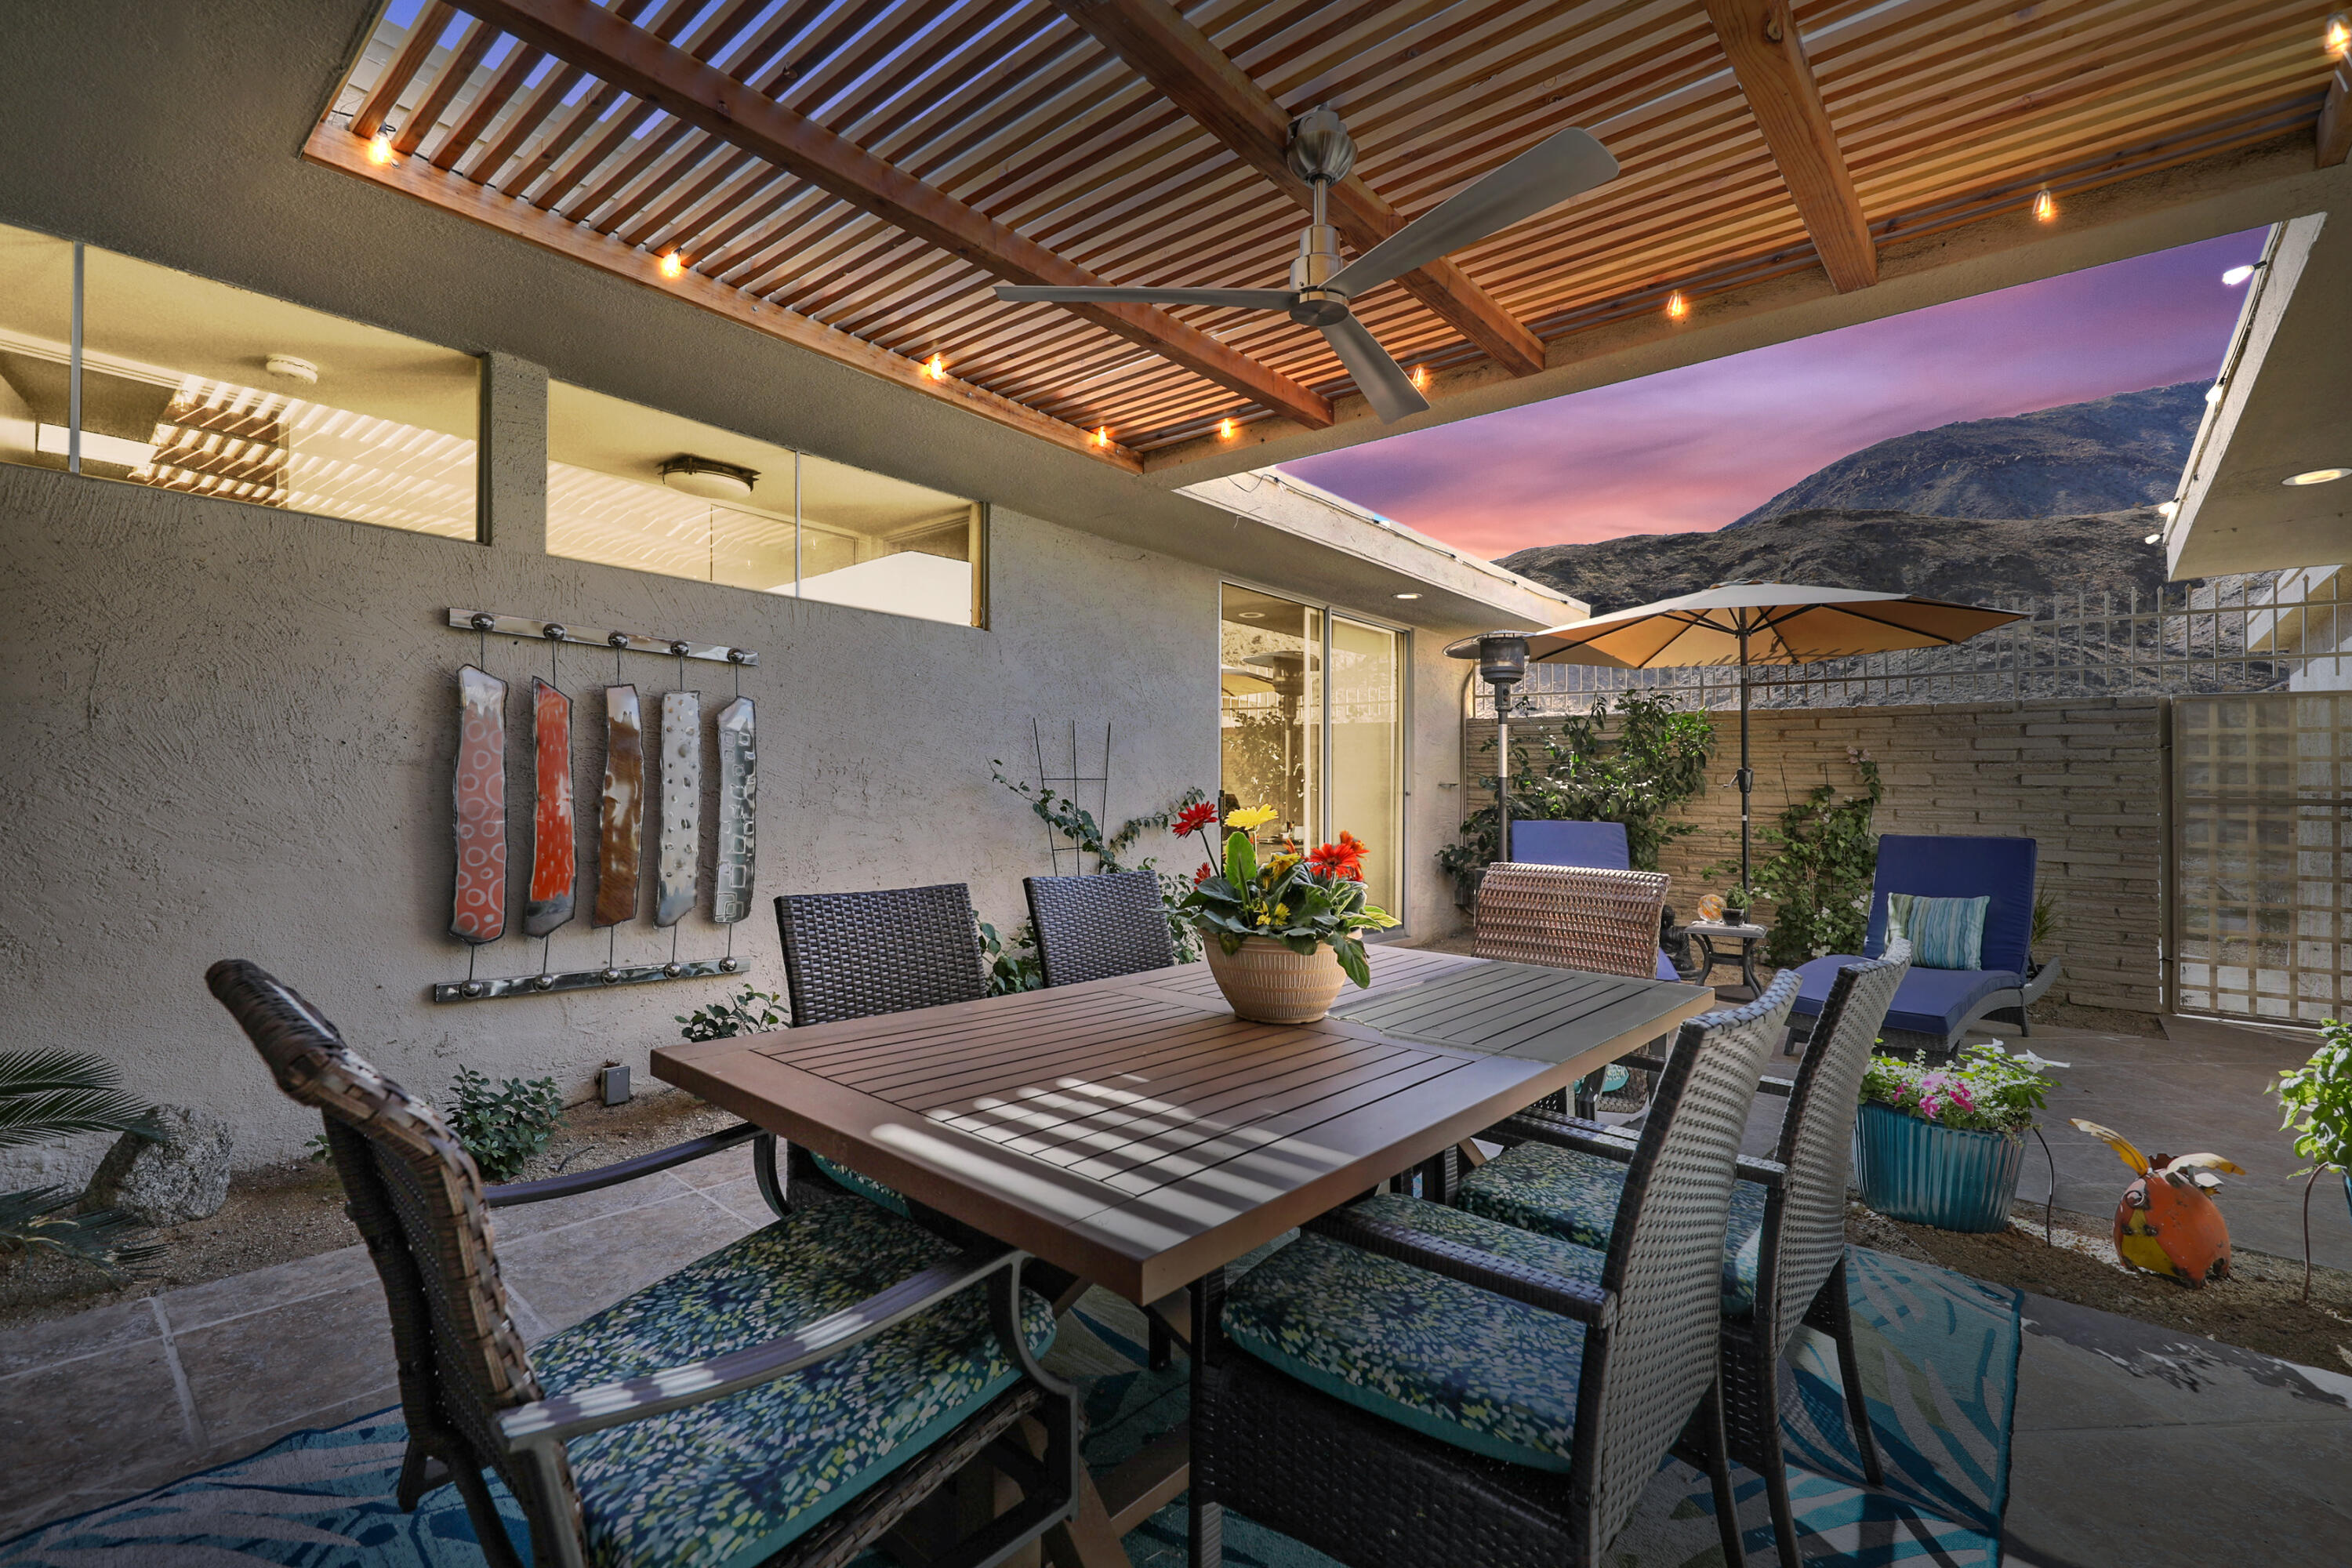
2235	275
671	267
1420	378
2045	205
380	148
1676	306
1102	434
2338	35
1224	429
936	368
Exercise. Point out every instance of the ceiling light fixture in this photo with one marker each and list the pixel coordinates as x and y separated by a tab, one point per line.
1249	614
2045	205
1676	306
709	477
380	147
2235	275
1408	596
2317	477
671	267
292	367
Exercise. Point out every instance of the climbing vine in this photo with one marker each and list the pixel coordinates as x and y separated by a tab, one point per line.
1818	876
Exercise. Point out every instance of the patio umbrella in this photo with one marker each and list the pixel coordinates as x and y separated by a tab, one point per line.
1762	623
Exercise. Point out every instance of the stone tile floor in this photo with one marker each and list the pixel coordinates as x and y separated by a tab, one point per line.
2110	1412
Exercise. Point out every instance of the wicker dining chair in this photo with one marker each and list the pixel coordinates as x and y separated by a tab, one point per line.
1577	916
785	1400
1409	1383
1091	928
854	955
1784	1249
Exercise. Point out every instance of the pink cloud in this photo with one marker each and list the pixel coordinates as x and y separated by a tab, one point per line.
1690	449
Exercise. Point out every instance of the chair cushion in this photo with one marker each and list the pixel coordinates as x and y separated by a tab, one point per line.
1666	968
1601	844
1929	1002
1561	1193
733	1481
866	1187
1944	933
1448	1360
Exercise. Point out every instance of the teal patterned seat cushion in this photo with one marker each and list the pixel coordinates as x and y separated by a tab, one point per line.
733	1481
1559	1192
866	1187
1448	1360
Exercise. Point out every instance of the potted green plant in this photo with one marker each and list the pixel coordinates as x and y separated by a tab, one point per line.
2316	1100
1735	905
1944	1146
1281	935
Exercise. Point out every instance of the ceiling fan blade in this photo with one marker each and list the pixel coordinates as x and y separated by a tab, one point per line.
1380	378
1247	298
1561	165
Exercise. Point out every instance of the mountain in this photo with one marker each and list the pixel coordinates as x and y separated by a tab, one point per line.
1972	560
2079	459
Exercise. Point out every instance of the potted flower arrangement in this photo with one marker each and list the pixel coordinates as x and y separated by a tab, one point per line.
1281	935
1943	1147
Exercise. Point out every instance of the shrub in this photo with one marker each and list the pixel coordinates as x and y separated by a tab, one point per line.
502	1125
1819	874
46	1094
751	1012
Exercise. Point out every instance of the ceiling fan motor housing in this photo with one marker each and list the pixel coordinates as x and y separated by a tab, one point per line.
1320	148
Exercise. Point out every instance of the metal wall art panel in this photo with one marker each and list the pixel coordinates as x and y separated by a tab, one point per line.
479	795
681	806
621	815
554	852
738	784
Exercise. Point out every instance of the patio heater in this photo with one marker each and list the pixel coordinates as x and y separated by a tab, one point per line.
1502	664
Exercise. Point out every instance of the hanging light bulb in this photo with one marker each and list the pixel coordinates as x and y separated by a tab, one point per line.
2045	205
380	148
1676	306
2338	35
671	267
1224	429
1420	378
936	368
2235	275
1102	436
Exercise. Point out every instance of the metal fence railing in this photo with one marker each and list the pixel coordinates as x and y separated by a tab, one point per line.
2262	632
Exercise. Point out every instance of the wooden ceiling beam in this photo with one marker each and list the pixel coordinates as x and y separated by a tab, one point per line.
629	59
2335	128
401	69
469	52
1156	41
1767	56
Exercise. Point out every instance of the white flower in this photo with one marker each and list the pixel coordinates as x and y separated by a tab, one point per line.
2040	1061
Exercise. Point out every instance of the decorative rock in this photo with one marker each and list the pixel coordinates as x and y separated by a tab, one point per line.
181	1176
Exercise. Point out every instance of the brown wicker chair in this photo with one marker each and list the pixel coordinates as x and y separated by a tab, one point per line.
1577	916
1091	928
1784	1259
1327	1374
769	1399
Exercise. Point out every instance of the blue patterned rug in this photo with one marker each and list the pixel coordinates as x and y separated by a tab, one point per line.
1938	1357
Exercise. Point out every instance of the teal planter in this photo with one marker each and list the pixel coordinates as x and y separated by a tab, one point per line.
1926	1174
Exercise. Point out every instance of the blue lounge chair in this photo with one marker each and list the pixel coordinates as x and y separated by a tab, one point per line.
1935	1007
1600	845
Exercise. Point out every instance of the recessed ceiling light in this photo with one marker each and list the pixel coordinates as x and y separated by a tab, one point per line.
2236	275
709	477
2317	477
1408	596
1251	615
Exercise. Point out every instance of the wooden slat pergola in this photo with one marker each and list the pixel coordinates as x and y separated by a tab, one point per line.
852	175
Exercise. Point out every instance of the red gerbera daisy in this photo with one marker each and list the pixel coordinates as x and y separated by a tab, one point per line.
1196	817
1203	873
1331	860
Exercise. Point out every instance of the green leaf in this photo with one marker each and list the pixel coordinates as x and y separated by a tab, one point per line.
49	1093
1241	858
1352	959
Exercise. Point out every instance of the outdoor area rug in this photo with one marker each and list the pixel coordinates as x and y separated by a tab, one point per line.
1938	1356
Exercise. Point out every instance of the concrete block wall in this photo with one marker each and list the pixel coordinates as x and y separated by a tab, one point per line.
2084	777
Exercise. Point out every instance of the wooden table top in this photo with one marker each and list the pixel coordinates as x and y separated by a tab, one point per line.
1134	1131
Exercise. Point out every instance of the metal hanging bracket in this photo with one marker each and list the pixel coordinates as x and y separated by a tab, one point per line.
584	979
484	622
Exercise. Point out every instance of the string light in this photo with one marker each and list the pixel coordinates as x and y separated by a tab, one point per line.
1676	306
1420	378
380	148
936	368
671	267
2338	35
1102	436
2045	205
2235	275
1224	429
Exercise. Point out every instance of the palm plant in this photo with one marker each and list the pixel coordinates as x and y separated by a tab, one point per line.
46	1094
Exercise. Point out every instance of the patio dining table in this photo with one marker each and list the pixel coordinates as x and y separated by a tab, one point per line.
1133	1132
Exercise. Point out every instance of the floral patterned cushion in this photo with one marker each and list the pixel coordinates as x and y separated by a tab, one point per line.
1559	1192
732	1481
1448	1360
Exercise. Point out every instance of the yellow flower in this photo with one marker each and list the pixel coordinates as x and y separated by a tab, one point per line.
1264	920
1255	817
1282	911
1280	866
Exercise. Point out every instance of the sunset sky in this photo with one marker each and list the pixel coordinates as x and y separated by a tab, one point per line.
1691	449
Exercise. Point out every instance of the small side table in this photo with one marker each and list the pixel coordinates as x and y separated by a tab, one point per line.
1707	934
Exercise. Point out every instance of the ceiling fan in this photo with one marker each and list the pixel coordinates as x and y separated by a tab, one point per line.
1323	283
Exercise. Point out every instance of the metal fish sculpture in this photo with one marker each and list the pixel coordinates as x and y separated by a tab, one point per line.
738	784
681	806
621	815
477	794
554	853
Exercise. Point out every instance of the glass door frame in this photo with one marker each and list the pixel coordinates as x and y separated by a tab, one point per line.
1403	634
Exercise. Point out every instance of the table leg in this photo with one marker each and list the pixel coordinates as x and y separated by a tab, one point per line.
1205	1545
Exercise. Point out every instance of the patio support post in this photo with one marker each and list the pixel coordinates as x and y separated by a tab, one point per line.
1746	775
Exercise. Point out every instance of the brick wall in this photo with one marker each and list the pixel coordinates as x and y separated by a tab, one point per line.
2082	776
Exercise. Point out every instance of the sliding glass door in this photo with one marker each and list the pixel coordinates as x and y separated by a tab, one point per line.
1311	723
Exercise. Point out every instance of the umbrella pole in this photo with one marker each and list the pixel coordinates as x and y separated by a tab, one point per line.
1747	776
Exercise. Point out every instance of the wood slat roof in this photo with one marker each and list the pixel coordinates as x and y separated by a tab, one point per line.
1946	113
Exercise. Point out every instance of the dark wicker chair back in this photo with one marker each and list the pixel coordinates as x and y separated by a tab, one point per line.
1091	928
1804	1234
854	955
1571	917
1666	1258
416	1197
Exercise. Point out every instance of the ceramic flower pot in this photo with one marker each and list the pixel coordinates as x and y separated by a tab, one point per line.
1268	983
1927	1173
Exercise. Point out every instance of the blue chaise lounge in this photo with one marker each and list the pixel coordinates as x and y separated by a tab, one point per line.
1935	1007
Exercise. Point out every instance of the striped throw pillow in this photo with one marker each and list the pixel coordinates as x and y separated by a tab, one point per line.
1944	933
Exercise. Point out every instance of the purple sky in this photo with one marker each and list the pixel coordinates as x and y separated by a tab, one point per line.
1690	449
